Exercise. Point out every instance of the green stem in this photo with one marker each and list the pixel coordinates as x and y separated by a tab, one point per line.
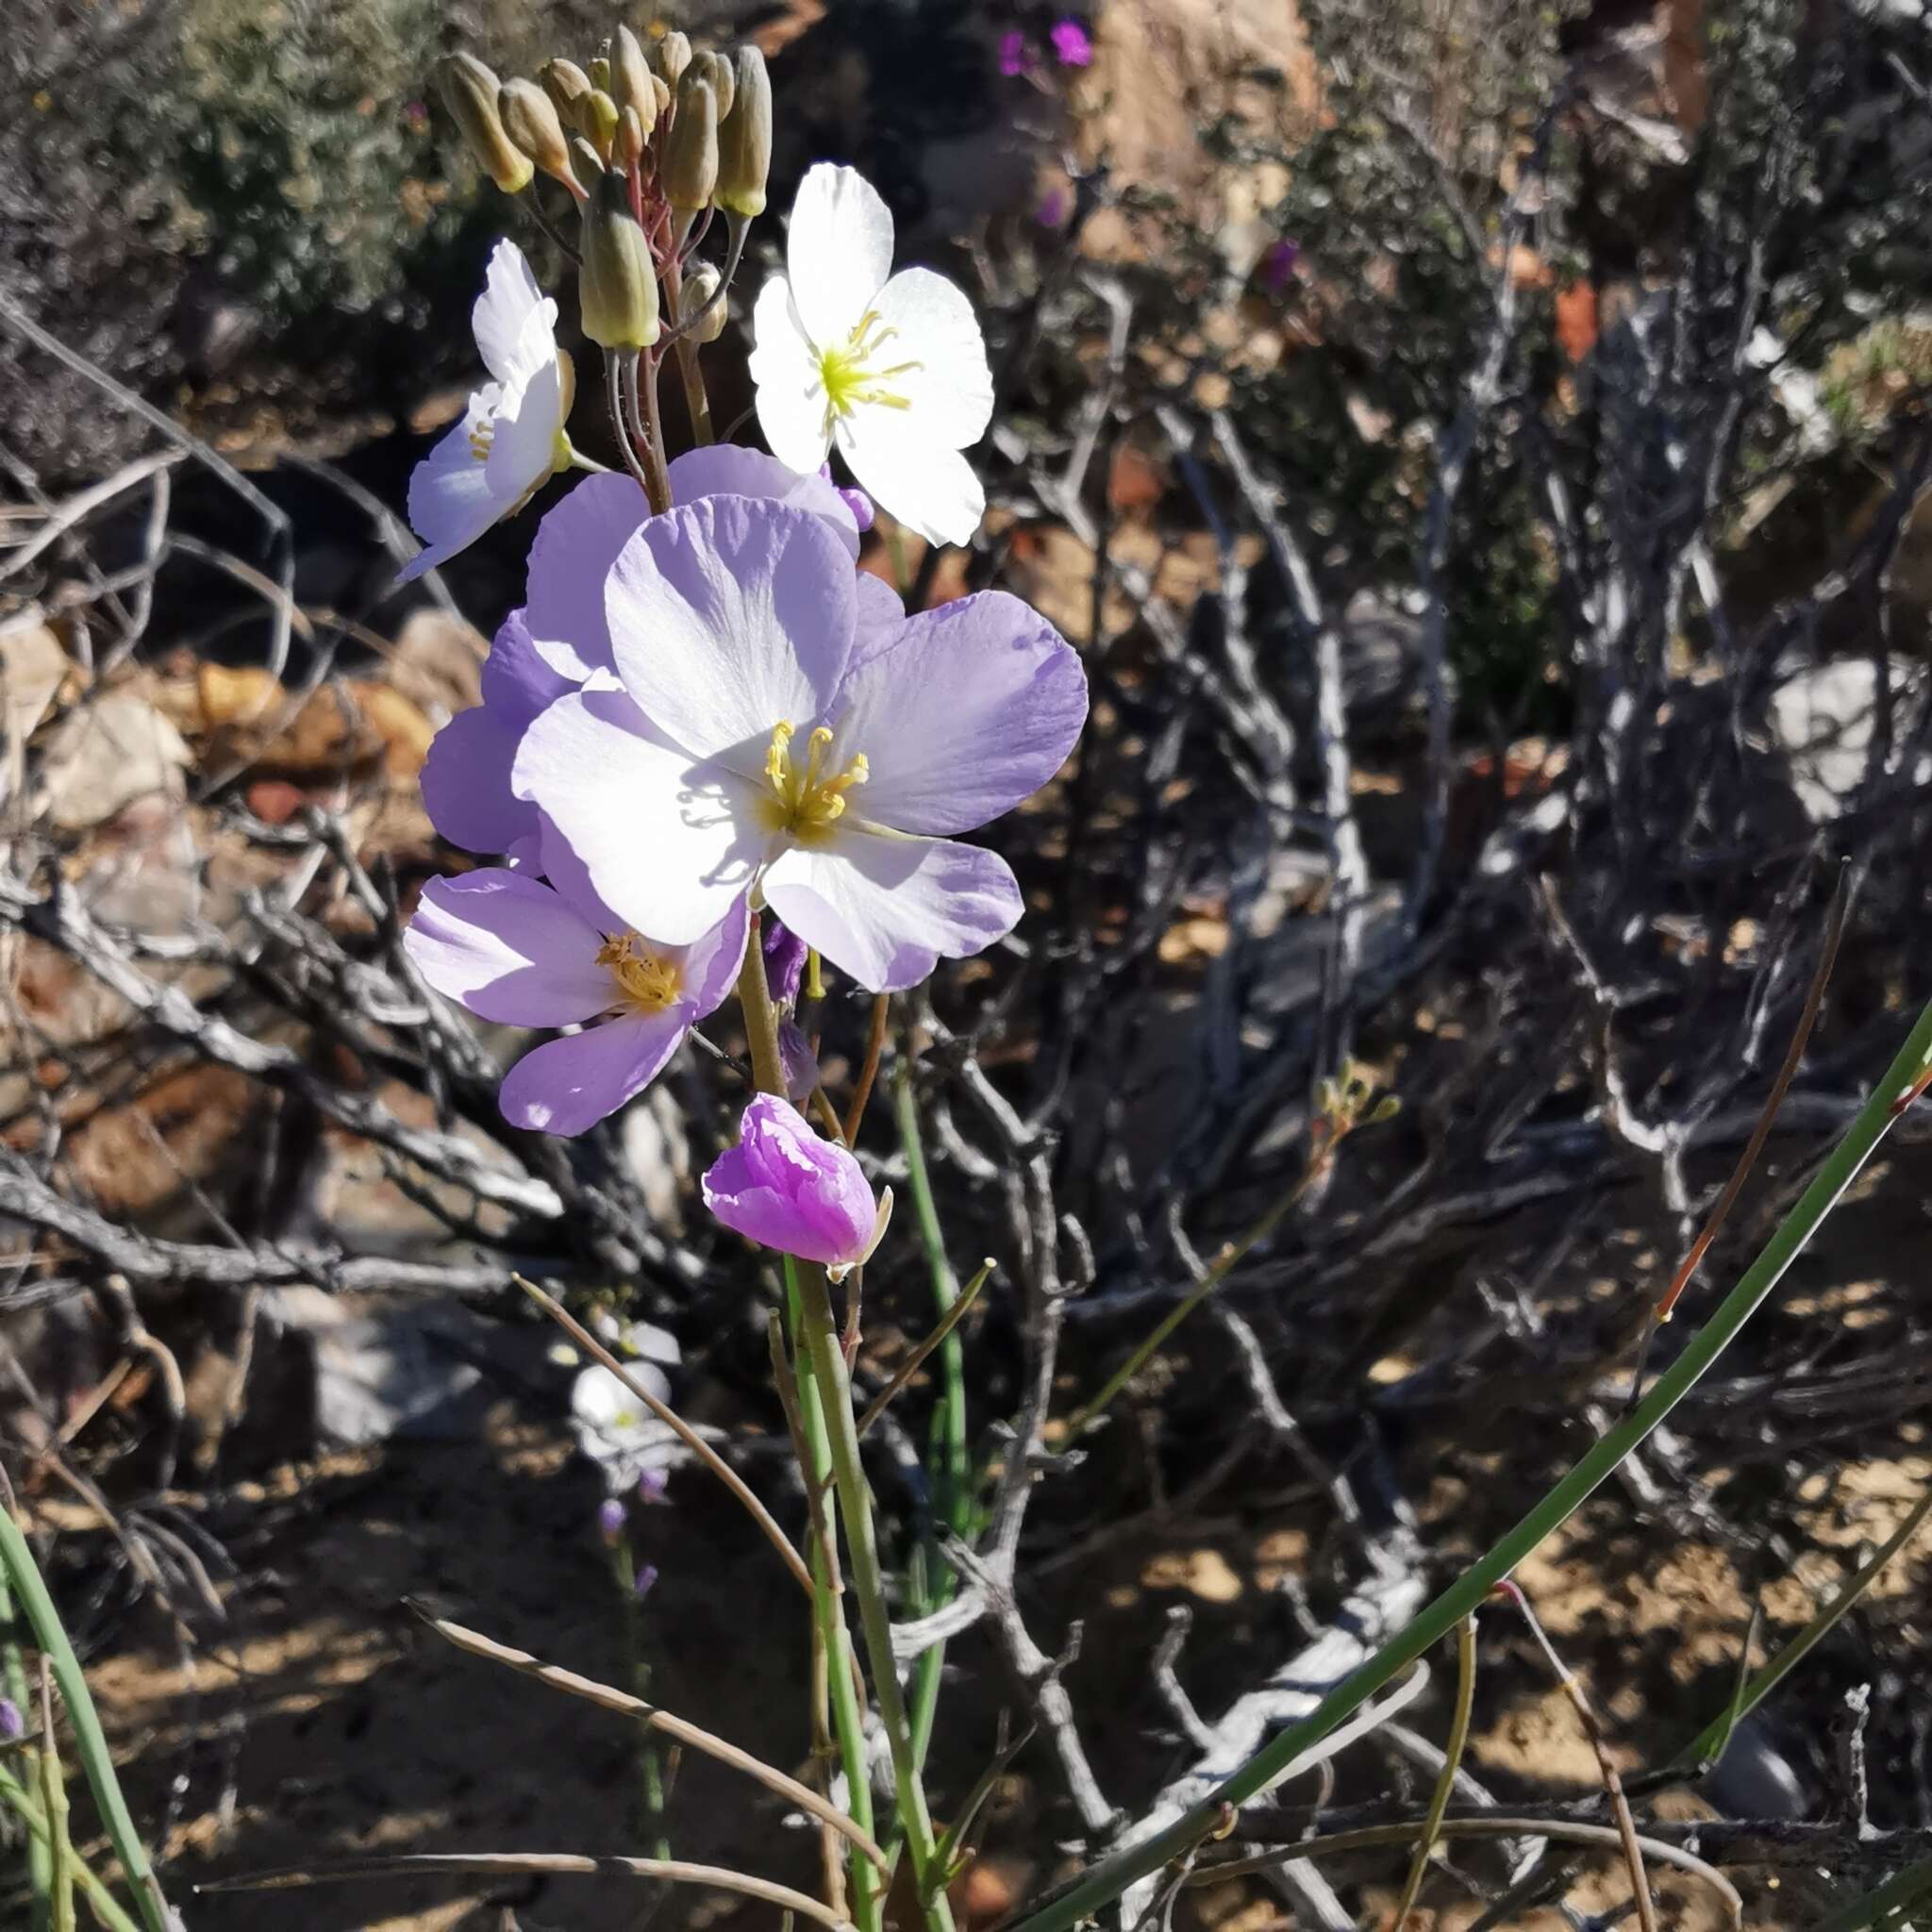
107	1908
1108	1880
697	399
952	1485
30	1589
40	1854
848	1721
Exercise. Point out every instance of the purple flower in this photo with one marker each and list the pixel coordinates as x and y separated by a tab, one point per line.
1278	265
1054	206
1071	43
610	1519
529	954
1012	53
800	1064
11	1724
652	1484
785	1187
784	954
646	1576
777	725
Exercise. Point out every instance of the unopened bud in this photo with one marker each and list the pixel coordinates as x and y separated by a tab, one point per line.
568	87
674	56
687	167
617	281
661	89
744	140
589	163
698	299
600	120
468	91
600	69
630	77
717	69
529	117
628	147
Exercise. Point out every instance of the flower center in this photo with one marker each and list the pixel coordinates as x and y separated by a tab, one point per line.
850	376
806	798
481	437
646	983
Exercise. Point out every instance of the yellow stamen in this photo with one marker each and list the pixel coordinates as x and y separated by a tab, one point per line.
806	800
481	437
848	377
645	982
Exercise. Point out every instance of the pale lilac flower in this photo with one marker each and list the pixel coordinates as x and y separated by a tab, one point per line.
653	1483
784	954
511	438
765	736
529	954
11	1724
798	1062
614	1430
610	1519
1012	54
1071	43
889	368
645	1578
787	1189
1278	265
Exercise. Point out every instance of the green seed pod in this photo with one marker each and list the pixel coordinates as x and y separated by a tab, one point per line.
744	140
529	117
719	71
469	90
630	77
617	281
700	285
674	56
627	149
568	87
688	166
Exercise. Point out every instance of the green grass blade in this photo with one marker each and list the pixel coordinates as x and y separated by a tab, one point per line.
106	1908
31	1592
1882	1908
1113	1875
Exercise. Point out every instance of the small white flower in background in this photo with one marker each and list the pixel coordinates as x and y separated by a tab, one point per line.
613	1428
892	372
511	438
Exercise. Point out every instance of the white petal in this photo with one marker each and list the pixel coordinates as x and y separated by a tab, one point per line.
727	616
886	909
949	395
510	297
839	251
522	450
451	502
785	368
929	488
668	842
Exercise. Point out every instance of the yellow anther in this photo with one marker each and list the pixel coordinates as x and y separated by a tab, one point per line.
847	374
807	799
646	983
481	438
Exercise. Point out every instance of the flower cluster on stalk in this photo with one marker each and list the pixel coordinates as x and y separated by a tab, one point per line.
705	716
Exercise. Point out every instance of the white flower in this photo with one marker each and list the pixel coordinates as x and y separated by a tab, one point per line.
893	371
613	1428
512	437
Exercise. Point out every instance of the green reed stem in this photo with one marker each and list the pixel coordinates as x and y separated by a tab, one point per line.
31	1590
40	1853
1108	1879
1445	1785
107	1908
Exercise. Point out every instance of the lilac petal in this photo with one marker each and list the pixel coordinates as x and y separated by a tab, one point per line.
800	1064
885	909
971	709
466	783
785	1187
567	1085
728	469
711	963
509	949
666	843
517	681
881	615
728	616
784	954
574	547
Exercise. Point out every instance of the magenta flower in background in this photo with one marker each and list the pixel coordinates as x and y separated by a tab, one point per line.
526	954
784	954
1012	54
787	1189
1071	43
797	1060
1054	206
1278	265
776	724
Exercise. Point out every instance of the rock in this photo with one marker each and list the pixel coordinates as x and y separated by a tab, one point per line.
437	663
33	666
1822	717
107	754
